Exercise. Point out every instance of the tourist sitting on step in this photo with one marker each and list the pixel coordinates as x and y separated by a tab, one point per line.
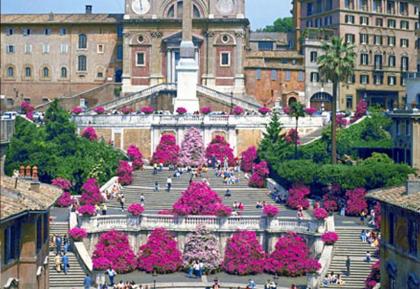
258	205
228	194
363	236
368	257
340	280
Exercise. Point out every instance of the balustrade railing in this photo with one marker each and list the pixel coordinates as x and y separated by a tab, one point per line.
151	221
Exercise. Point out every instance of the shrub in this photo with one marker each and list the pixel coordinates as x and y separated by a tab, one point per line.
192	149
356	202
248	158
127	110
271	211
205	110
361	110
113	250
374	276
135	209
62	183
77	234
99	109
202	245
330	205
320	213
91	194
310	110
87	210
329	238
160	253
237	110
243	254
199	199
292	136
264	110
297	197
65	200
341	120
291	257
135	156
89	133
378	217
261	171
147	109
125	173
220	148
76	110
28	109
181	110
167	151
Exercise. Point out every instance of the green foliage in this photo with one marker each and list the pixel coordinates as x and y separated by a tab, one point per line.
296	172
273	147
280	25
59	152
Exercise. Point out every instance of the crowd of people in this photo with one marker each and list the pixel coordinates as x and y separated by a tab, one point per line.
61	246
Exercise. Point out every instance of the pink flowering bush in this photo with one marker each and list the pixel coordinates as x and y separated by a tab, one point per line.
259	175
91	194
291	257
361	110
377	209
113	251
341	120
310	110
286	110
160	253
28	109
99	109
135	209
248	158
205	110
199	199
77	234
126	110
181	110
202	245
89	133
243	254
167	151
147	110
320	213
223	211
65	200
329	238
270	211
297	197
356	202
374	276
76	110
87	210
192	149
135	156
220	149
237	110
330	203
125	173
62	183
264	110
292	136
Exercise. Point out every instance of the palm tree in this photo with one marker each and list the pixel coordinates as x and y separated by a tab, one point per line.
296	111
336	65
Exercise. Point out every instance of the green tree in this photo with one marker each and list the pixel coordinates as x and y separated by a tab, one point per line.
273	147
336	65
296	111
280	25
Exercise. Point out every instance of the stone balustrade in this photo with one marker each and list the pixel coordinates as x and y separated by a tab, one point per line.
7	128
189	223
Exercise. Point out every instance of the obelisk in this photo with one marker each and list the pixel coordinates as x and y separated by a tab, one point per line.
187	68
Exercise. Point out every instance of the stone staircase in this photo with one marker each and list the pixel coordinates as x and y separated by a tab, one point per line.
349	244
143	183
244	101
76	274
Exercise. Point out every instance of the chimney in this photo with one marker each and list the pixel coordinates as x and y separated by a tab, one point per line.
88	9
36	186
413	185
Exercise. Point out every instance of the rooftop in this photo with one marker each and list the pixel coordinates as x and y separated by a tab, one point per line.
397	196
23	198
60	18
268	36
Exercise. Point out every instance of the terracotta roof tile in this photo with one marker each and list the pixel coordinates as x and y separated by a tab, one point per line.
397	196
60	18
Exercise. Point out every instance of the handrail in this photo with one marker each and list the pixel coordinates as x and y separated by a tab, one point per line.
202	89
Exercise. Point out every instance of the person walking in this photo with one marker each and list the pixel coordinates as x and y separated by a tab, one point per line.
142	199
368	257
57	262
155	169
58	243
65	261
87	282
168	184
104	208
66	243
122	202
156	189
348	264
111	275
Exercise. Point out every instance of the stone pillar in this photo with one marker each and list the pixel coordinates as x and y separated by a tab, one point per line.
232	140
239	84
156	76
209	78
187	69
126	76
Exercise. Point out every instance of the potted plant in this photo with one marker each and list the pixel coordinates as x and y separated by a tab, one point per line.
77	234
181	110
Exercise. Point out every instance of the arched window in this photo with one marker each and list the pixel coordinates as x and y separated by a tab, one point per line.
10	71
82	41
28	72
81	63
45	72
63	72
175	11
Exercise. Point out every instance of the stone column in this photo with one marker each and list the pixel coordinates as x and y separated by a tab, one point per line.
239	84
126	76
156	76
208	78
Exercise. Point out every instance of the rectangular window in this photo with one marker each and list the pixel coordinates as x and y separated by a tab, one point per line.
404	25
349	19
47	31
100	48
314	76
63	31
392	80
391	40
265	45
224	58
10	49
28	48
378	39
350	38
379	22
364	38
377	6
364	20
45	48
140	60
301	76
10	31
378	79
287	75
349	4
403	8
314	56
391	61
349	102
119	52
273	74
390	7
391	217
309	9
12	243
364	79
258	74
364	59
64	48
404	42
391	23
27	32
